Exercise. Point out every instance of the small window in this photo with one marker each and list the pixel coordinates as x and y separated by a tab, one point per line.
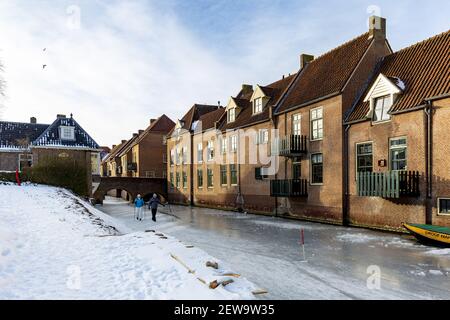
210	175
67	133
185	155
185	180
178	180
25	161
200	152
210	150
233	142
257	106
317	124
317	168
381	108
233	175
171	180
262	137
223	175
172	157
398	153
231	114
296	124
179	156
260	174
364	157
223	145
200	178
444	206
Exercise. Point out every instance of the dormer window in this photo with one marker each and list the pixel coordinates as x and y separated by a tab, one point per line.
381	108
257	105
67	133
231	115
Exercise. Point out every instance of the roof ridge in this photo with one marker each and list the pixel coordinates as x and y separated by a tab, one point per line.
338	47
421	42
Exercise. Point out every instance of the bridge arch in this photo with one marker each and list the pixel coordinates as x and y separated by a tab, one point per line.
133	186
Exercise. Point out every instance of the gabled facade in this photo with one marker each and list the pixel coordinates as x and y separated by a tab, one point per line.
23	145
310	182
397	137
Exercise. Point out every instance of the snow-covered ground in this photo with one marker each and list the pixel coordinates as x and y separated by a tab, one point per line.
341	263
55	246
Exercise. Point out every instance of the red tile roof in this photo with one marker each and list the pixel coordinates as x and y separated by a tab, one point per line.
423	68
208	120
327	74
246	117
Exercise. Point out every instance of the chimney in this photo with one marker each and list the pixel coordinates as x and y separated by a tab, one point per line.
135	135
152	121
377	28
114	146
61	116
305	59
246	88
123	141
141	132
33	120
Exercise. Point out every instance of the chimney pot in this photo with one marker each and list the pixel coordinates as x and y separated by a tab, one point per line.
123	141
33	120
305	59
377	27
114	146
135	135
141	132
61	116
152	121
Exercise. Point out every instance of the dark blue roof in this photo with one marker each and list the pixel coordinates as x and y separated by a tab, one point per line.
51	136
14	135
19	135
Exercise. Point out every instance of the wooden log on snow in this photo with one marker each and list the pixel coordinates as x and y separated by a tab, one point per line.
259	291
182	263
214	265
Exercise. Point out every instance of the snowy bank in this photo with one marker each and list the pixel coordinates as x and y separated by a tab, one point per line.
55	246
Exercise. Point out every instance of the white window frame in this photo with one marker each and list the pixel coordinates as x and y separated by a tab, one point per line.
184	155
262	136
200	152
439	206
233	144
297	122
356	156
398	147
311	169
388	97
319	121
231	115
67	133
223	145
210	150
257	106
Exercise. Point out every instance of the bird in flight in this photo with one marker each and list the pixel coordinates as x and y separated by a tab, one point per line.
44	66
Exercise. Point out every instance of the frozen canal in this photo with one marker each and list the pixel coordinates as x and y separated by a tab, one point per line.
339	261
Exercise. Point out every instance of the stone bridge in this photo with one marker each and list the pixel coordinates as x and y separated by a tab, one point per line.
134	186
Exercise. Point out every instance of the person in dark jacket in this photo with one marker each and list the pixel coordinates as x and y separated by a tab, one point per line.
153	205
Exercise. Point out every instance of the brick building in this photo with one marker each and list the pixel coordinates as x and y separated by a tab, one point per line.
398	164
23	145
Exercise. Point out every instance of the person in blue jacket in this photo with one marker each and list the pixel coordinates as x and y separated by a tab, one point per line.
139	208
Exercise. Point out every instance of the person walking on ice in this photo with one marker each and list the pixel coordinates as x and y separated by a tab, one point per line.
139	208
153	205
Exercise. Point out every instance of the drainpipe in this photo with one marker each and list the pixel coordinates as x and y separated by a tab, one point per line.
429	162
191	172
275	125
346	179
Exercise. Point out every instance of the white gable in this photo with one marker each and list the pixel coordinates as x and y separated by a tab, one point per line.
231	104
382	87
258	93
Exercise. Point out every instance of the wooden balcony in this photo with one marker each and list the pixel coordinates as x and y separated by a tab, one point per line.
289	188
290	146
390	184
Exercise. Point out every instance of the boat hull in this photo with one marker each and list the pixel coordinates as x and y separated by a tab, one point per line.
427	236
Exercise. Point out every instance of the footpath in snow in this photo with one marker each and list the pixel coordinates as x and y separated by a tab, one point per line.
55	246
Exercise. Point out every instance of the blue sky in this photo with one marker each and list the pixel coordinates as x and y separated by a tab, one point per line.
124	62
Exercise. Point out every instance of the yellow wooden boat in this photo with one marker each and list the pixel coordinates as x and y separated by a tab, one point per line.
429	234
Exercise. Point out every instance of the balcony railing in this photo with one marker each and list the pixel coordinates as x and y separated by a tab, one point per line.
289	188
290	146
390	184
